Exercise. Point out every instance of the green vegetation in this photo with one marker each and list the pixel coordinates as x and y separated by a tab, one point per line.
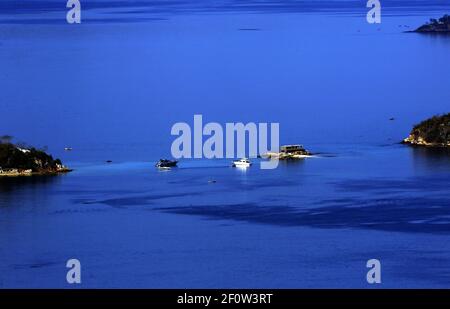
26	158
434	131
441	25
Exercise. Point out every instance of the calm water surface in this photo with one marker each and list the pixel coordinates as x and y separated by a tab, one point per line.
112	89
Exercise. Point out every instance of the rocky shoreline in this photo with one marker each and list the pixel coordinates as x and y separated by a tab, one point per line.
435	26
413	141
20	160
433	132
17	172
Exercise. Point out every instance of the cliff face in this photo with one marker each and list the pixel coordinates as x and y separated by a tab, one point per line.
433	132
15	160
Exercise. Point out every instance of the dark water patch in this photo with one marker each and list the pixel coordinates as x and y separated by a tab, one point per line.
62	21
409	215
249	29
133	10
9	184
337	201
31	6
97	192
263	184
9	7
433	159
134	201
241	185
434	183
430	152
390	144
76	211
195	180
34	265
122	20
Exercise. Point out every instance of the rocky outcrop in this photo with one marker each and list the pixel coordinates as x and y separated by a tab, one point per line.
289	152
24	161
433	132
441	25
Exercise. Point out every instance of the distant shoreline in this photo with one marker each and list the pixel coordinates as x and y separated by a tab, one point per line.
27	173
21	160
439	26
433	132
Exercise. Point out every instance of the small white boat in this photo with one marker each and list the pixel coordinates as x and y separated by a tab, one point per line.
244	162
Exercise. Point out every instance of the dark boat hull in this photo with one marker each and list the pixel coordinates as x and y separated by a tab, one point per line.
166	163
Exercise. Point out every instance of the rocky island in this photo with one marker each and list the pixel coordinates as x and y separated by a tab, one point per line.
433	132
17	160
289	152
441	26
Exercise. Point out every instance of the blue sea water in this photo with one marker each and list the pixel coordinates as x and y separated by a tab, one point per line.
113	86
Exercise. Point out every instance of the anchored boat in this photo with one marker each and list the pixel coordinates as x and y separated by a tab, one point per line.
163	163
244	162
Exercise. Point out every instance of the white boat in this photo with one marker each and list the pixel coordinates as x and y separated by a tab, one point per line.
244	162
